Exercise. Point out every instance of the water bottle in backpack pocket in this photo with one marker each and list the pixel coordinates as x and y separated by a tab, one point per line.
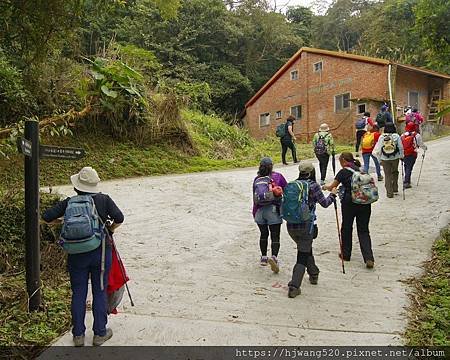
295	207
82	230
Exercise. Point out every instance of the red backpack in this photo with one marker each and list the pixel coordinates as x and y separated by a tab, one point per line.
409	143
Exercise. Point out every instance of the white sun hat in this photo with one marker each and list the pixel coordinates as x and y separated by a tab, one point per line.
86	180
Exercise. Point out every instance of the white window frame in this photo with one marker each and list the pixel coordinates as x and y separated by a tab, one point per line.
365	108
297	117
343	108
294	77
321	66
266	119
278	114
418	98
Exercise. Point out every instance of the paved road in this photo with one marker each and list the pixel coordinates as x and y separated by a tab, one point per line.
191	249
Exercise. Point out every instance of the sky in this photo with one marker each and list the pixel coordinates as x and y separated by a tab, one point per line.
318	6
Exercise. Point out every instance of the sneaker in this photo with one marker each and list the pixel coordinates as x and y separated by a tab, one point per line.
293	292
99	340
370	264
296	162
407	186
390	196
285	163
273	262
78	340
314	279
264	260
322	182
380	178
357	155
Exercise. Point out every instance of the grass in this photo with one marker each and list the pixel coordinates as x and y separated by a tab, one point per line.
219	147
429	312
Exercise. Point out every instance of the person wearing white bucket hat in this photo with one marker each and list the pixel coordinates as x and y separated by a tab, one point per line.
323	144
93	262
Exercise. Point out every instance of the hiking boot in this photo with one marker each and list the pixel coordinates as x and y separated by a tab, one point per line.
273	262
370	264
264	260
313	279
293	291
390	196
380	178
407	186
78	340
99	340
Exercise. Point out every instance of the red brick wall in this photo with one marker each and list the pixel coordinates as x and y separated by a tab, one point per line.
412	81
362	80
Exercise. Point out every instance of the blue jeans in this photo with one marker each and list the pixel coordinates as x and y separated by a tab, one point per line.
80	267
366	157
408	162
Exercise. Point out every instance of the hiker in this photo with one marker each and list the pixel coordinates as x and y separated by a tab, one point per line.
267	194
415	117
383	117
411	141
361	128
85	258
389	150
300	222
351	211
323	144
369	141
287	140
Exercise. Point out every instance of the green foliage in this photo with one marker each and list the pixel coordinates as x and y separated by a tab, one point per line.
433	28
429	320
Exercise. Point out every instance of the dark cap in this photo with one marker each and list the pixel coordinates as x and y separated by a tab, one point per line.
266	161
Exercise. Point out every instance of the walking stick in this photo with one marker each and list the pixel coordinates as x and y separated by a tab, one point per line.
420	172
403	179
339	235
333	164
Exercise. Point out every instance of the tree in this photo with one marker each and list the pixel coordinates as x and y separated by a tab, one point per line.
301	19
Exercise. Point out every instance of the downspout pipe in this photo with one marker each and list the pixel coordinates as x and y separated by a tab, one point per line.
390	91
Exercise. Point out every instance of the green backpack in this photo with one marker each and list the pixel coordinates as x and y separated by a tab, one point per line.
281	130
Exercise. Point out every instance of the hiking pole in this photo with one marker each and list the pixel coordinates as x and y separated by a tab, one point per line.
420	172
339	235
123	272
403	179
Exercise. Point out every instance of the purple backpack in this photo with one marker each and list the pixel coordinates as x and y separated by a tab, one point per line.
262	191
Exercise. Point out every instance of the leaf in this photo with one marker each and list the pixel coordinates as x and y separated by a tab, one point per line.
111	93
97	75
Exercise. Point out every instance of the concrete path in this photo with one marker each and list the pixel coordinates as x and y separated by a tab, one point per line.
191	249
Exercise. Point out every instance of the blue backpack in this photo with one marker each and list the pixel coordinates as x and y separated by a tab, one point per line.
295	206
262	194
360	124
83	230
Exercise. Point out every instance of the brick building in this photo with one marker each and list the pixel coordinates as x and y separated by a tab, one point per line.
320	86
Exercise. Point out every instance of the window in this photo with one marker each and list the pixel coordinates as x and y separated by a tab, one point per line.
279	114
362	108
341	102
318	66
296	111
294	75
413	99
264	120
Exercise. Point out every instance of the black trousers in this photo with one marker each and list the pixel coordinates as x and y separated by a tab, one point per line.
285	145
323	164
359	135
274	237
350	211
409	162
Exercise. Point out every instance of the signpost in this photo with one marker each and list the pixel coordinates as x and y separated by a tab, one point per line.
30	147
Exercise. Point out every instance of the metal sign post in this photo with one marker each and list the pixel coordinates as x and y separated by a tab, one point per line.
32	236
33	151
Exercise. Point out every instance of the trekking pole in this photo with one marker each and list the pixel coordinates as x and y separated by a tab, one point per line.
123	272
339	236
403	179
420	172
